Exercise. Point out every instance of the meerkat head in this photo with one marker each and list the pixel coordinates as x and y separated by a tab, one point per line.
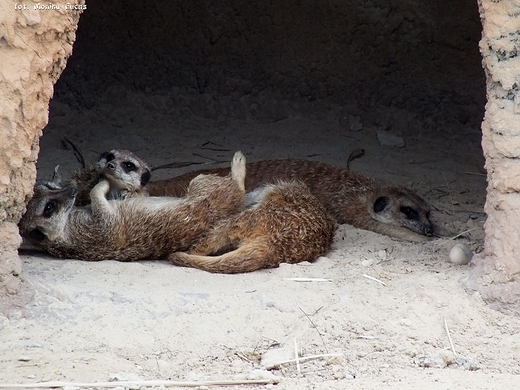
401	207
47	212
123	170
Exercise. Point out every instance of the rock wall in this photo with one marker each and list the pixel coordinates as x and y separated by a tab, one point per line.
496	275
34	47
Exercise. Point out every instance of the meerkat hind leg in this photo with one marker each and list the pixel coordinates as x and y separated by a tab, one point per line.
214	242
246	258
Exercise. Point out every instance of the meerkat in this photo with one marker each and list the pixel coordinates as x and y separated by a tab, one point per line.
126	173
284	223
133	228
349	197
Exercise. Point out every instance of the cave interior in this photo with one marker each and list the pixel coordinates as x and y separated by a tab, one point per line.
177	81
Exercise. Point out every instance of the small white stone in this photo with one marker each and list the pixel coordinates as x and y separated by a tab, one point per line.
390	139
460	254
356	124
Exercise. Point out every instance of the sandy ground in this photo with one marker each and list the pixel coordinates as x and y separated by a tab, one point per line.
99	321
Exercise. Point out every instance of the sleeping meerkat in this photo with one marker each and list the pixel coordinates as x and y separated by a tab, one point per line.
284	223
349	197
134	228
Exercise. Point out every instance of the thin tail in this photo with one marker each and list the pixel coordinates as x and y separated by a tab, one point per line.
246	258
238	170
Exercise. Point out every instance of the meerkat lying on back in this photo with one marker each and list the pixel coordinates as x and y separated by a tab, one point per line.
349	197
133	228
283	224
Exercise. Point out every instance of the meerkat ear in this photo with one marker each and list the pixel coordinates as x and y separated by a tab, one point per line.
145	177
36	236
380	204
108	156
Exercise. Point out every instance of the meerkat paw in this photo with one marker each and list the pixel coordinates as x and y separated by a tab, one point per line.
100	190
238	169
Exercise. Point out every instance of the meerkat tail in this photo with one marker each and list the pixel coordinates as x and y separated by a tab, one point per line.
398	232
238	170
246	258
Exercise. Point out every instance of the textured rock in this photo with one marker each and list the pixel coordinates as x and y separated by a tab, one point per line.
34	46
496	272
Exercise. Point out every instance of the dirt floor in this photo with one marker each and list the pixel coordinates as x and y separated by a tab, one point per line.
100	321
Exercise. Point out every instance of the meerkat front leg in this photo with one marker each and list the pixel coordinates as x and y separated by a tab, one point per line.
99	203
398	232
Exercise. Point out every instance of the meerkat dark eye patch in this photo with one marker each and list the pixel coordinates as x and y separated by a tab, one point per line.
128	166
36	236
49	208
380	204
409	212
145	177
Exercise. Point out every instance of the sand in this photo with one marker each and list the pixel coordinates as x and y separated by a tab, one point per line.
379	309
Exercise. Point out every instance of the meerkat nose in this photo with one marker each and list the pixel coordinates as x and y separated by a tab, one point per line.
111	166
72	192
428	230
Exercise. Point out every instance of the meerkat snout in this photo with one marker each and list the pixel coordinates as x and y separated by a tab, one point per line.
36	236
400	208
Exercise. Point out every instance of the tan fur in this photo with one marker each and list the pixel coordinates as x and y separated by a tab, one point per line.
286	224
130	229
349	197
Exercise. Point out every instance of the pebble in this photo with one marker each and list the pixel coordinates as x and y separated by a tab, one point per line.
460	254
390	139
